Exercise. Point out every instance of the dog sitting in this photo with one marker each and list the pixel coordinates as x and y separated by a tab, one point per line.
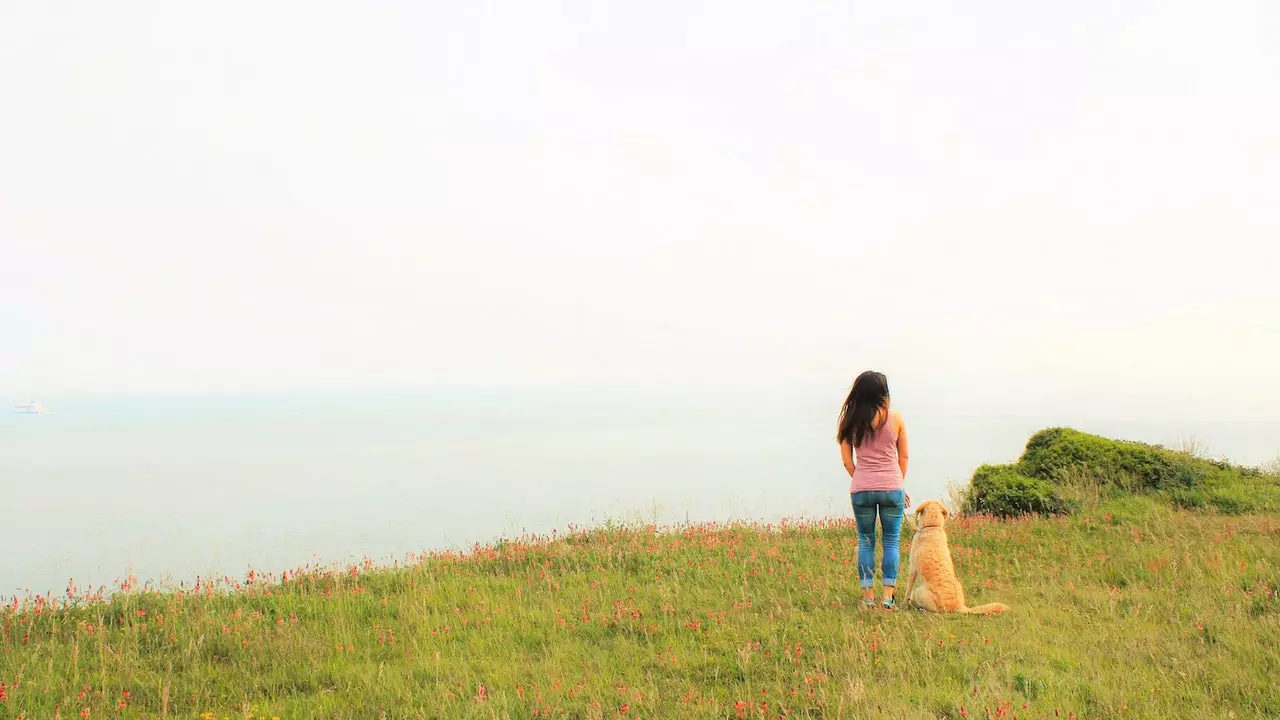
931	578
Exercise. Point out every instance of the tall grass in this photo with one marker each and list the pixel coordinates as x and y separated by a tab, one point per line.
1133	609
1192	447
1272	468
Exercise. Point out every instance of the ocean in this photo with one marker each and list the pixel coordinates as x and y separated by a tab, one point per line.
168	488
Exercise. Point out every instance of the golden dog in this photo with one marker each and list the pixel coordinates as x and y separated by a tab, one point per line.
931	578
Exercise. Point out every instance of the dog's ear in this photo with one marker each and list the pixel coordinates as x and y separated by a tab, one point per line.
945	512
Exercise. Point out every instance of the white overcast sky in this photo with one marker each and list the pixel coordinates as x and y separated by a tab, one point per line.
1023	200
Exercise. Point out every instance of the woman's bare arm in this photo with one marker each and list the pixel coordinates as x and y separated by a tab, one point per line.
903	451
846	454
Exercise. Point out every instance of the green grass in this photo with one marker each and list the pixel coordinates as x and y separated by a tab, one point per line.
1132	609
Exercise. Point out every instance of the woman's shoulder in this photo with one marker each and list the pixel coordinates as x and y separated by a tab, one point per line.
895	418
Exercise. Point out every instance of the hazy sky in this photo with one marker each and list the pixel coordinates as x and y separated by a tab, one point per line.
1020	200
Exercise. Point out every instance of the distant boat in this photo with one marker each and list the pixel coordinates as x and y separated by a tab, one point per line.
31	408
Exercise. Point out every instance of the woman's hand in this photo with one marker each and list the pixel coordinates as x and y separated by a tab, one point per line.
846	456
907	501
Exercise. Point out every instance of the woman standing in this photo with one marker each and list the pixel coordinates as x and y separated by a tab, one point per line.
876	434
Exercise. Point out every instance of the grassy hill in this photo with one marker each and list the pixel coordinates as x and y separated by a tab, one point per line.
1129	608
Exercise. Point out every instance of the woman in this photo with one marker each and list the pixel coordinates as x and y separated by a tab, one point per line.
876	433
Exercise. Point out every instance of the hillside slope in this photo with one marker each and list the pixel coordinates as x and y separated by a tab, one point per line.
1133	609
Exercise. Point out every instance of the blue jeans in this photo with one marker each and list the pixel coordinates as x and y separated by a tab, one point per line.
888	504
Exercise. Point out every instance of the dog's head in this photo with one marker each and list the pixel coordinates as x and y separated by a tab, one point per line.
931	513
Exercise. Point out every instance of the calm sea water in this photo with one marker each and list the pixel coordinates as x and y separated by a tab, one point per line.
173	487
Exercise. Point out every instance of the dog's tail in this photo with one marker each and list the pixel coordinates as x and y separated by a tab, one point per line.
988	609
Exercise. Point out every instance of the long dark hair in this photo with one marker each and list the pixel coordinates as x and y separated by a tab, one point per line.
870	393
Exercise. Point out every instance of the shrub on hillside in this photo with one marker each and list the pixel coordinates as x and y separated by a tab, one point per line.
1057	452
1063	470
1004	491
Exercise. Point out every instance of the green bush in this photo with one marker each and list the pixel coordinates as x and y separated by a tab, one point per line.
1063	469
1188	499
1004	491
1052	454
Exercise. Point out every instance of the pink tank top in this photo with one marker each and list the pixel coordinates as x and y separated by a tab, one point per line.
876	464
